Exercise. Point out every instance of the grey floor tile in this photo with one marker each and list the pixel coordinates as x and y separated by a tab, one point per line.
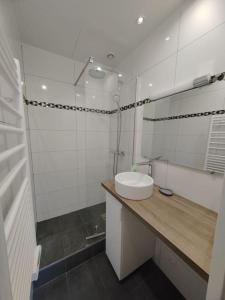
155	281
66	234
83	284
48	228
55	290
70	221
74	240
52	249
95	280
92	214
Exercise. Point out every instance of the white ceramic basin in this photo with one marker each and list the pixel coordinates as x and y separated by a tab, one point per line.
134	185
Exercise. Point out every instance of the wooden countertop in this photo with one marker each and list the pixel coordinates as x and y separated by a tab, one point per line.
185	226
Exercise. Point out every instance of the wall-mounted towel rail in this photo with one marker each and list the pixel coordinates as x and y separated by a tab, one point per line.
18	248
215	154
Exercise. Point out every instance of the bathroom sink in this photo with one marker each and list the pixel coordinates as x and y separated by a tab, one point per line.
134	185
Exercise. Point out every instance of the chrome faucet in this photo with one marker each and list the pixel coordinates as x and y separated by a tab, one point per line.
147	163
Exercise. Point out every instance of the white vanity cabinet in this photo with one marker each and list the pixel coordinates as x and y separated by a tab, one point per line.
129	243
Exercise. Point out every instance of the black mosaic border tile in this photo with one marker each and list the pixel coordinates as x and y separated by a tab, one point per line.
123	108
85	109
187	116
66	107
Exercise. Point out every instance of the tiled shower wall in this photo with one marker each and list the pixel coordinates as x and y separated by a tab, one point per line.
69	149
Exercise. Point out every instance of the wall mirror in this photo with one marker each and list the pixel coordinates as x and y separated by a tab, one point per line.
187	129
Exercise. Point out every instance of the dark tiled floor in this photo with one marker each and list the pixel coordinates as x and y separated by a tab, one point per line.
66	234
96	280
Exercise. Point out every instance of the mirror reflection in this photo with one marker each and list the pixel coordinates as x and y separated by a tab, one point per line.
187	129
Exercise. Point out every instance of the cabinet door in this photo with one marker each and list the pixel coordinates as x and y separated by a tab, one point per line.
113	232
129	243
138	243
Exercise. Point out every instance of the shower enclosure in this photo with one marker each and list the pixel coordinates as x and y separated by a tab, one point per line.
74	134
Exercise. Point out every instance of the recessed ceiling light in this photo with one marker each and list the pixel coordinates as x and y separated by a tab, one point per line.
167	38
78	95
150	84
22	83
120	75
140	20
99	68
93	97
44	87
86	81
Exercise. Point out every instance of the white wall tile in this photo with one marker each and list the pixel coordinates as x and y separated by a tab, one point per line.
199	17
50	118
155	48
99	122
42	209
207	99
95	194
161	77
96	157
205	55
192	143
59	202
97	139
96	174
57	92
197	186
54	161
53	181
44	140
81	140
47	64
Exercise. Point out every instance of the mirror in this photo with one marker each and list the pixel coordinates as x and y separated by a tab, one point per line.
188	129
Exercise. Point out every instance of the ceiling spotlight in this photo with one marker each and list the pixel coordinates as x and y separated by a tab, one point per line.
150	84
22	83
86	81
120	75
78	95
99	69
167	38
93	97
44	87
140	20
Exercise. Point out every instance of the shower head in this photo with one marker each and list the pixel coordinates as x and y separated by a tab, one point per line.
97	73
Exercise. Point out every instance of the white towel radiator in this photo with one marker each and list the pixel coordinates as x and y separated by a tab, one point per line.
215	154
19	254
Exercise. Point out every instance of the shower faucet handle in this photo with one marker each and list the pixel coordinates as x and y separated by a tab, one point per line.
121	153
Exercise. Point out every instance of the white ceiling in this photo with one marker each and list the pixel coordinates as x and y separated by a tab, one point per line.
81	28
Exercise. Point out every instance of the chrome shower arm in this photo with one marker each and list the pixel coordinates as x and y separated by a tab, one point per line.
90	61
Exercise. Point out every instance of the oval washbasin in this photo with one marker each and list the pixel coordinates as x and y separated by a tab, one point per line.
134	185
